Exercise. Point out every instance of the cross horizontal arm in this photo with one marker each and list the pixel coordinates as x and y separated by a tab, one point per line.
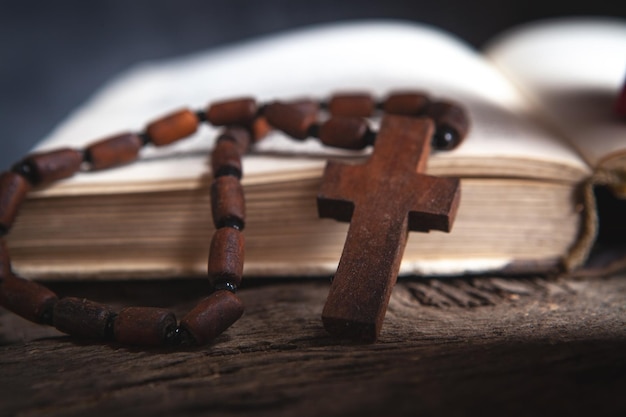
435	204
336	197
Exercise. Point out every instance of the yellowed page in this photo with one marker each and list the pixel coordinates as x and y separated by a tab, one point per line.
373	56
572	72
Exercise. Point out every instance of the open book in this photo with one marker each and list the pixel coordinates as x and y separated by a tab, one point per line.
540	101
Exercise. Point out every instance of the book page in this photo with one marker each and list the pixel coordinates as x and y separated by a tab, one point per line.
572	71
375	57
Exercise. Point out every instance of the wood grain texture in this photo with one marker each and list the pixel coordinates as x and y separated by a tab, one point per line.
212	316
226	257
344	132
44	168
383	199
226	159
409	103
113	151
83	318
352	104
28	299
227	201
146	326
291	119
172	127
241	111
483	346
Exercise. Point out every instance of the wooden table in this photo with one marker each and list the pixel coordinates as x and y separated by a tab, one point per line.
482	346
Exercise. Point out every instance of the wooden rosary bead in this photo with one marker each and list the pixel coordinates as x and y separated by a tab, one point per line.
352	104
289	119
452	124
260	128
83	318
46	167
232	112
306	106
173	127
13	190
239	135
344	132
148	326
227	202
113	151
212	316
226	159
27	299
406	103
226	257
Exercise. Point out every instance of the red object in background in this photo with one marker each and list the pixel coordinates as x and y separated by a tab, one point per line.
620	104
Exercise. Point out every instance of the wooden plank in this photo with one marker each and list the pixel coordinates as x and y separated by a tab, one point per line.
455	347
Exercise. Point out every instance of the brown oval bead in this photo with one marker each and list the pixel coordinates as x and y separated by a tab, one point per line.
212	316
352	104
226	257
226	159
27	299
306	106
13	191
46	167
260	128
232	112
113	151
173	127
450	115
344	132
240	135
289	119
147	326
83	318
227	202
406	103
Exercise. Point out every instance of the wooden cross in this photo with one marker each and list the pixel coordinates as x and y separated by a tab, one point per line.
383	199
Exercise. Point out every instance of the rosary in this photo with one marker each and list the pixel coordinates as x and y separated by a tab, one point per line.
382	199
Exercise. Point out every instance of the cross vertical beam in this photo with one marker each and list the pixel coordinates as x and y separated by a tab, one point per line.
382	199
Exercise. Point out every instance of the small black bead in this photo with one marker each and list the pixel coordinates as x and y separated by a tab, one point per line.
84	155
228	170
261	109
380	105
323	104
314	130
225	285
27	170
370	137
145	138
47	316
445	138
178	336
87	157
201	114
108	330
233	222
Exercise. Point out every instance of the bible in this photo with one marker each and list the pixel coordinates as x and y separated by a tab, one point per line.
544	132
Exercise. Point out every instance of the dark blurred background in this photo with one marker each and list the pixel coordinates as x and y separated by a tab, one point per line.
54	54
